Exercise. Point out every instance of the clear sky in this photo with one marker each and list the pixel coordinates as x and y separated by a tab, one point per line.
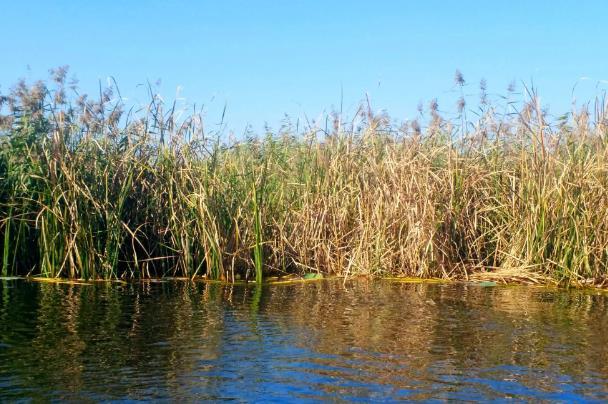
266	58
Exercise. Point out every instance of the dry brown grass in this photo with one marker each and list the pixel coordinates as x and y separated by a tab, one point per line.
515	196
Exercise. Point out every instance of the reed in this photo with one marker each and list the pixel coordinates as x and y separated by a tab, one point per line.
91	190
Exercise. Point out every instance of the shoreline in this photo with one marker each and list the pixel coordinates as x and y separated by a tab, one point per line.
299	280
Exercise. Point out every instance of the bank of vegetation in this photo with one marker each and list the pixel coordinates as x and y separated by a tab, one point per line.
92	189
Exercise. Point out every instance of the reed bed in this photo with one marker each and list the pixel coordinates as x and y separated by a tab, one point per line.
90	189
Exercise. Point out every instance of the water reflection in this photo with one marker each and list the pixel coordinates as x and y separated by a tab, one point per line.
354	340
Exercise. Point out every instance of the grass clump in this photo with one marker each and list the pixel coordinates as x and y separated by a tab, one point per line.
89	190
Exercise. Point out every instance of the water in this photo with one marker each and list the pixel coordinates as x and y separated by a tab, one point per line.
363	340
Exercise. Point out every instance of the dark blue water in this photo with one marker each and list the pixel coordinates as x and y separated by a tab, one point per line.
359	341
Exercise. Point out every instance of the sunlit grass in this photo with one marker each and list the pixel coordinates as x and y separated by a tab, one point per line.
89	191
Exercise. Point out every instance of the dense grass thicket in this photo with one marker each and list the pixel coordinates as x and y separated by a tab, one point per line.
91	190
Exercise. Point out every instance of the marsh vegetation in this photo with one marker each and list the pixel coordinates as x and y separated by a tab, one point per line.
92	189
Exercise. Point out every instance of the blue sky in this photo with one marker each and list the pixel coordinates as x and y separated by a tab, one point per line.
266	58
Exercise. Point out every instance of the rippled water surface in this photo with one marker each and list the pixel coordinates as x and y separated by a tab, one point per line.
360	340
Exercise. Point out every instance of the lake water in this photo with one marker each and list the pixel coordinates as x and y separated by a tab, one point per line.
359	340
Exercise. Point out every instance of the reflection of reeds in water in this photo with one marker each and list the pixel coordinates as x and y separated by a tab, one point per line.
104	335
404	331
87	192
186	337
